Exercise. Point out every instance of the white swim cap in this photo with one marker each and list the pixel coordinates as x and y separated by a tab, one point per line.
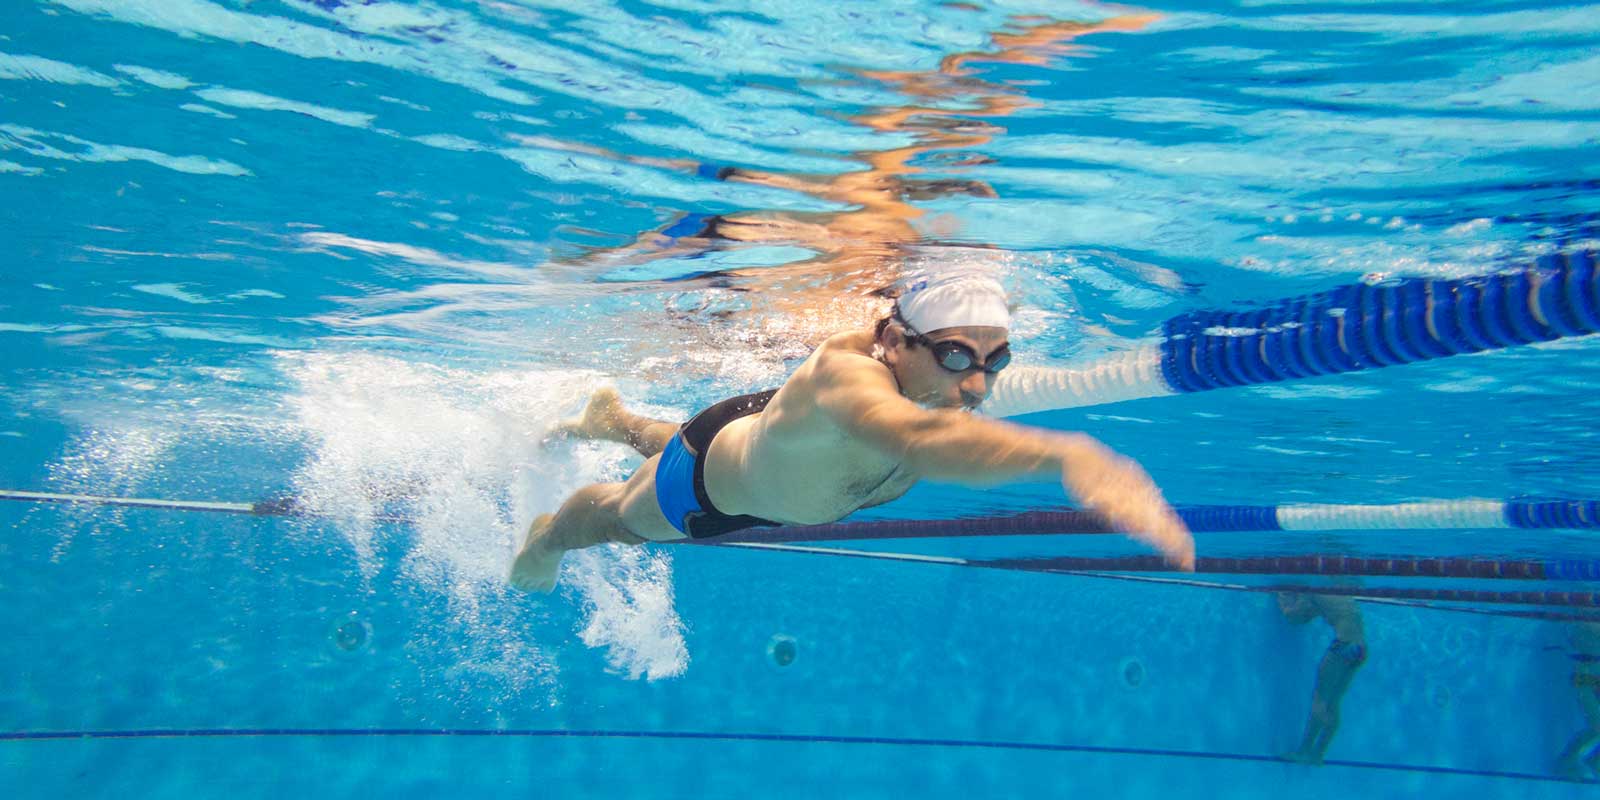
953	301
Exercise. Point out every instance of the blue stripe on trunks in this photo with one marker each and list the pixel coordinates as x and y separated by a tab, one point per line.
675	483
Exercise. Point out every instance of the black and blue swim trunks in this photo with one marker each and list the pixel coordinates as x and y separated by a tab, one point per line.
1351	652
680	474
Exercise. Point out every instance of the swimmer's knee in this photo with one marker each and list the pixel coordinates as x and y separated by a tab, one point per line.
597	494
1324	713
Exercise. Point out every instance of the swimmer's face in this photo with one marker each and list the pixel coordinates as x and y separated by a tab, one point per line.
924	381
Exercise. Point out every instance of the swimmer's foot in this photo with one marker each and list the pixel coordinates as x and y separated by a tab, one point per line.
1572	768
603	418
1303	757
537	565
1592	762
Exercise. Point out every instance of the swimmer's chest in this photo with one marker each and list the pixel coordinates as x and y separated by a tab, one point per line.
896	484
824	468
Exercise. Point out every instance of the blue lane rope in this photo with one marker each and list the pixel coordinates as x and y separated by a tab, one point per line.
784	738
1346	329
1313	564
1423	599
288	507
1425	515
1290	565
1434	515
1368	327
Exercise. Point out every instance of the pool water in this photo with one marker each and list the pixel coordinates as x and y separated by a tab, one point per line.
364	254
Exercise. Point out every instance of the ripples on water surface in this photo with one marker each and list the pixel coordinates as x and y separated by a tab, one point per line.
338	247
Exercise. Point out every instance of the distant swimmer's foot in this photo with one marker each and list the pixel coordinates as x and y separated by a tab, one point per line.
1303	757
1572	769
536	566
1592	763
603	418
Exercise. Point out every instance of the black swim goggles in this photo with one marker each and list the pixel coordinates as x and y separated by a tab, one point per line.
955	356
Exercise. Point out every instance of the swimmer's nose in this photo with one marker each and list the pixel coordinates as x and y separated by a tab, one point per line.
975	388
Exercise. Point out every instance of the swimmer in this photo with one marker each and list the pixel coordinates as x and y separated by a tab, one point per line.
868	414
1581	759
1345	654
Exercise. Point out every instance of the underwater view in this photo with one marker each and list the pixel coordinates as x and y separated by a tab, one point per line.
709	398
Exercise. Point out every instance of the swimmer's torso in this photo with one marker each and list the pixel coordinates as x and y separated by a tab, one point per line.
794	464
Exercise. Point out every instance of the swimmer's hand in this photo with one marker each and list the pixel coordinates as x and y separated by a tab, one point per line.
1118	489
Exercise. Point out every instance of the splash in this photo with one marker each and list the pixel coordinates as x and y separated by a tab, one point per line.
627	597
462	454
110	461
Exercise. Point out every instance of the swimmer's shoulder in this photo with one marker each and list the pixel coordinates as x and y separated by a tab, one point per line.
843	351
838	355
837	351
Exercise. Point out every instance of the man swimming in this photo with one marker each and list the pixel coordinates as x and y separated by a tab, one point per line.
1580	760
868	414
1344	656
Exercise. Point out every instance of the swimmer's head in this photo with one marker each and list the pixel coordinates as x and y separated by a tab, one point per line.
936	189
946	339
1296	607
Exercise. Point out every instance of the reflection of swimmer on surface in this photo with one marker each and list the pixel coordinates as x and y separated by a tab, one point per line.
859	249
1345	655
870	412
1584	638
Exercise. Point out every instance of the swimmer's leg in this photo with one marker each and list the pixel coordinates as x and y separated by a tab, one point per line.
1592	761
1571	763
604	418
625	513
1334	674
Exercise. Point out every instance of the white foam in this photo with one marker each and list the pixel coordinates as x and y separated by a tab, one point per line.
628	609
462	452
114	458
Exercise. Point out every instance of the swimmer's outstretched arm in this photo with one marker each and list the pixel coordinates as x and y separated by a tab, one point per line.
954	446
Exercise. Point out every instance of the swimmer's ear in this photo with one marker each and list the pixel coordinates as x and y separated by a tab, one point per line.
892	340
